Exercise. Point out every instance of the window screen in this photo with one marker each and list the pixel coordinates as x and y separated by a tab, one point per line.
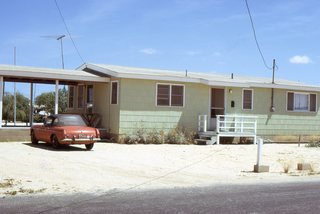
90	94
163	96
176	95
247	99
71	96
114	93
80	96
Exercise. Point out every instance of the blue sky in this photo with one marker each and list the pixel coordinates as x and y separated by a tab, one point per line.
198	35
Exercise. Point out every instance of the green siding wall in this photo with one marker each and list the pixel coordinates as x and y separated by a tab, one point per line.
138	107
279	122
101	103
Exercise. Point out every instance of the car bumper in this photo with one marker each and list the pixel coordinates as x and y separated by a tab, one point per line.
79	140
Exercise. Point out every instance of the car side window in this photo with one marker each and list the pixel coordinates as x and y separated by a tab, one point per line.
48	121
55	122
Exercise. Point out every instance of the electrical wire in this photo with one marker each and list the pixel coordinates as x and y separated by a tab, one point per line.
255	37
66	26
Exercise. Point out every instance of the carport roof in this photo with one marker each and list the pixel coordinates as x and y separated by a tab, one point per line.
47	75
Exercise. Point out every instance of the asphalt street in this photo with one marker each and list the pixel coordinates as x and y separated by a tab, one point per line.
301	197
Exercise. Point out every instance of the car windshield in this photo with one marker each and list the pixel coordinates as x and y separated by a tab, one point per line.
71	120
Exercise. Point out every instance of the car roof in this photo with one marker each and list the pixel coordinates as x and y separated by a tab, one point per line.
64	115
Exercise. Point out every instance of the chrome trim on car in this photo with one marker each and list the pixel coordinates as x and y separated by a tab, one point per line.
80	139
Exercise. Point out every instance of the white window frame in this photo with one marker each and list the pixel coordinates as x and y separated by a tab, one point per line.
117	81
252	97
170	94
309	101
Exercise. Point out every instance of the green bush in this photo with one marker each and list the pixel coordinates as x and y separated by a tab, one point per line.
174	136
313	144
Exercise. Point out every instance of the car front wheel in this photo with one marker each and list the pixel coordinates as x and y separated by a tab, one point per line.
89	146
55	142
34	140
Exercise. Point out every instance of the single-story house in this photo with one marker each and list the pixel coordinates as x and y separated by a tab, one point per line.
128	99
162	99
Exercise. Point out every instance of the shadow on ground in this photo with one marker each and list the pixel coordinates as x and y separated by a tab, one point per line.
48	146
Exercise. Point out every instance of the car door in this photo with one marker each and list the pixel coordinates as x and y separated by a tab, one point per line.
46	131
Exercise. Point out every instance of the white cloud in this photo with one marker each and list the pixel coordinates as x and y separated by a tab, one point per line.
148	51
300	59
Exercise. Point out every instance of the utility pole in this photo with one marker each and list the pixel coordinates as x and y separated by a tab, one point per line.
272	108
14	92
61	45
273	68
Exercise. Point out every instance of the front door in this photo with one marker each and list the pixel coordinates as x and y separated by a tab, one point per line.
217	106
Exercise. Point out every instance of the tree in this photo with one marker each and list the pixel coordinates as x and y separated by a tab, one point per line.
48	100
22	107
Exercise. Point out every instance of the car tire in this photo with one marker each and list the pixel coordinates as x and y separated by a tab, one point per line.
55	142
89	146
34	140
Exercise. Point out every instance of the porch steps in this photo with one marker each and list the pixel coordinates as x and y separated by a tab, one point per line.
207	138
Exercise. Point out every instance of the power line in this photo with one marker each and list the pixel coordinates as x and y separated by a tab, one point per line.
255	37
66	26
135	186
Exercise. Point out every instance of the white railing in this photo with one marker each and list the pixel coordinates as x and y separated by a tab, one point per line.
202	123
237	126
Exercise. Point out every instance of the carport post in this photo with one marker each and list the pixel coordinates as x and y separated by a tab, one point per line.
1	98
31	105
56	104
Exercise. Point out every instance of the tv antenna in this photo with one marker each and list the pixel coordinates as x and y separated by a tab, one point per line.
58	37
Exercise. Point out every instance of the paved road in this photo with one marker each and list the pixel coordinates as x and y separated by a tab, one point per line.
270	198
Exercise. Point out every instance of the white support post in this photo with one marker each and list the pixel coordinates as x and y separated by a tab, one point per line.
1	99
259	167
259	154
218	124
31	105
199	123
204	123
56	103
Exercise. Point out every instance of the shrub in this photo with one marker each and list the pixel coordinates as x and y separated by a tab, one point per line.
174	136
155	137
313	144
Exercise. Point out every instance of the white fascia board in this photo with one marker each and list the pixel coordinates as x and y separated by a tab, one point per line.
161	78
227	84
53	76
287	87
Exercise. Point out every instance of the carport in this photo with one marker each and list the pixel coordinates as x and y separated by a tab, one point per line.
11	73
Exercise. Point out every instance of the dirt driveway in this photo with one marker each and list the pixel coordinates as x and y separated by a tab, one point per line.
27	169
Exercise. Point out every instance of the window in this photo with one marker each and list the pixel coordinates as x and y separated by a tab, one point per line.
247	97
297	101
114	92
71	96
80	96
170	95
163	97
90	94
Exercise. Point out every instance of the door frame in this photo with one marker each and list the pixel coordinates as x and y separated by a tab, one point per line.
210	100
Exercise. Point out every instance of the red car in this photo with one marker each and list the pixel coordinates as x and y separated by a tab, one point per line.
65	129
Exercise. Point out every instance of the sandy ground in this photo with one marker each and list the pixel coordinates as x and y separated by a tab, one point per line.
42	170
